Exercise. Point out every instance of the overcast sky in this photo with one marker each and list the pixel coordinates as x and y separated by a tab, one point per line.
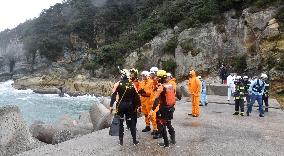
14	12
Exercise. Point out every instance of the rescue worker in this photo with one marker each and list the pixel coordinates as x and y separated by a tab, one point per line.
134	77
194	90
127	104
239	96
153	73
146	91
246	83
203	99
165	101
256	91
231	85
266	93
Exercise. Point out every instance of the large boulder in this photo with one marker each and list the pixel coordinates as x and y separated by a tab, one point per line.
100	116
15	136
183	89
106	101
53	134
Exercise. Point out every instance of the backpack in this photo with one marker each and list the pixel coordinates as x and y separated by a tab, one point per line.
170	94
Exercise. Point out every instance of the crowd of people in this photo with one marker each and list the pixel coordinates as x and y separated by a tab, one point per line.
154	94
248	91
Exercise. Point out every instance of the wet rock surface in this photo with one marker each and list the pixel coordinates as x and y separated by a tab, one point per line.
215	132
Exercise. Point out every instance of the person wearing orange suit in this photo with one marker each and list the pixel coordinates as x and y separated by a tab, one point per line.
146	91
165	102
194	90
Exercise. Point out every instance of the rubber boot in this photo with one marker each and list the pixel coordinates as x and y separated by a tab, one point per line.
121	141
173	139
154	132
236	113
147	128
242	114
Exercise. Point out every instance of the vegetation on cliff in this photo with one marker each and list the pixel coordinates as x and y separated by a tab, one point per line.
113	30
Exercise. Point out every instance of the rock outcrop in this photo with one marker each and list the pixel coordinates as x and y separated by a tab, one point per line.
15	136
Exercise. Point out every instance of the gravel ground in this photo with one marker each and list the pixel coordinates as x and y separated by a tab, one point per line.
215	132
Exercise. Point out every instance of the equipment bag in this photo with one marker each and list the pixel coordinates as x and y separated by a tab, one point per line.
114	127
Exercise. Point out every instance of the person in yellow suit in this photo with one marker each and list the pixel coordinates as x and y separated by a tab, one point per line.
194	90
146	91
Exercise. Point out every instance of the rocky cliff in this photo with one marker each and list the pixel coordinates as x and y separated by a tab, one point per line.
254	38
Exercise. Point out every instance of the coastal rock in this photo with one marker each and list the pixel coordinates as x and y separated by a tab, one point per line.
100	116
183	88
15	136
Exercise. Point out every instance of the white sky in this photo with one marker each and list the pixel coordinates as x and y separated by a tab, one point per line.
14	12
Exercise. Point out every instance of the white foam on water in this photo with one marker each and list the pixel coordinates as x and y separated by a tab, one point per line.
44	107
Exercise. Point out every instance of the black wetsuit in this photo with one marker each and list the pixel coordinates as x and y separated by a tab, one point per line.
127	106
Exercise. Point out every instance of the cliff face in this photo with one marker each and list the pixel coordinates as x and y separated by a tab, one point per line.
253	36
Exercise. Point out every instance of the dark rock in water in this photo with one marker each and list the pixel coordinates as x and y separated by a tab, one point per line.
14	133
46	91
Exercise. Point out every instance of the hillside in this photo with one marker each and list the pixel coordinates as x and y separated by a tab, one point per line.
93	37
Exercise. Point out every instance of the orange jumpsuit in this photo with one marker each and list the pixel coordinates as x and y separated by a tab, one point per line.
147	102
194	89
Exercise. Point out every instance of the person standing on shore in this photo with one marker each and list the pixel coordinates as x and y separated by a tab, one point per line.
231	86
146	91
203	99
165	102
246	83
223	74
256	91
127	104
265	95
194	90
239	96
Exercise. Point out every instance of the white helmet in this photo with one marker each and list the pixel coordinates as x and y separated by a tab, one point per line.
145	73
153	69
264	76
238	77
245	77
169	74
199	77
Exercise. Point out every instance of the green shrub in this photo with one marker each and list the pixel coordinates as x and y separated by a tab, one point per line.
239	63
170	46
187	45
169	65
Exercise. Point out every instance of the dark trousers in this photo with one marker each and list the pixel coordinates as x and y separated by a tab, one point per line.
131	118
265	101
239	104
164	125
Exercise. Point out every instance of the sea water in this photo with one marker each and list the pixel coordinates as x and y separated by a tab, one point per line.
44	107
